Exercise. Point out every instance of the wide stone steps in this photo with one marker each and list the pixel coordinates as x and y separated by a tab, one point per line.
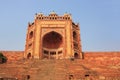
56	70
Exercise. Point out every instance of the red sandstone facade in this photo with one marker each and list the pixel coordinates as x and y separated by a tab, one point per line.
53	37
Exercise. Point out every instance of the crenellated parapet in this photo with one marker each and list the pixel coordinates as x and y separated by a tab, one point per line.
53	16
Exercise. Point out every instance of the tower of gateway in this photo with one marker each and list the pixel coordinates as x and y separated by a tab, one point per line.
53	37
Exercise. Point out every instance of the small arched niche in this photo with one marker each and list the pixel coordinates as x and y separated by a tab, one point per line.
29	55
30	34
76	55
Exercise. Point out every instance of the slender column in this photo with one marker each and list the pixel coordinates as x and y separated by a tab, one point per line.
49	54
56	54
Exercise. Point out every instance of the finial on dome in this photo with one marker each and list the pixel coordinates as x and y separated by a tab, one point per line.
53	12
66	14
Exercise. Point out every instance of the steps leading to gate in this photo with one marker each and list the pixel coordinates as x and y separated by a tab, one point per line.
56	69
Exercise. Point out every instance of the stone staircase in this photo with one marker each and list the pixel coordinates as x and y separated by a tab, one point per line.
46	69
56	70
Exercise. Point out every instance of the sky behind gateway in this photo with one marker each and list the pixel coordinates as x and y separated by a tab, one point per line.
99	21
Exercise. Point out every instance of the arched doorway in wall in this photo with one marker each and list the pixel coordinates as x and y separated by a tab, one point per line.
52	42
29	55
76	55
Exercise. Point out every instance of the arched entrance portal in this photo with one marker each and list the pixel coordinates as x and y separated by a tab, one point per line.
52	45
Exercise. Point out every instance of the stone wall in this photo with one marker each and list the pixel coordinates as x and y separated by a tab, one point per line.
13	55
111	58
103	58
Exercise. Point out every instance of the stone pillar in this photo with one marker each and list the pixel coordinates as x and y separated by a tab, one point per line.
48	54
56	54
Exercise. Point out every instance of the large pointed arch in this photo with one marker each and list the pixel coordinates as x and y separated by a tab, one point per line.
52	40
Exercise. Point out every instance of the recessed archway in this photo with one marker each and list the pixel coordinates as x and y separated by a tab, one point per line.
52	40
76	55
29	55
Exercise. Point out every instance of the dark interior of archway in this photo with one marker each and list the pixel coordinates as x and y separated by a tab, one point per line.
52	40
29	55
76	55
74	35
31	34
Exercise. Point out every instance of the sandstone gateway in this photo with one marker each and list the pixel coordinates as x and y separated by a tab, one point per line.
53	51
53	37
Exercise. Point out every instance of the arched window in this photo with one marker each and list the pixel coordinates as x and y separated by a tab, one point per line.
31	35
59	52
29	55
74	35
46	52
76	55
53	53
